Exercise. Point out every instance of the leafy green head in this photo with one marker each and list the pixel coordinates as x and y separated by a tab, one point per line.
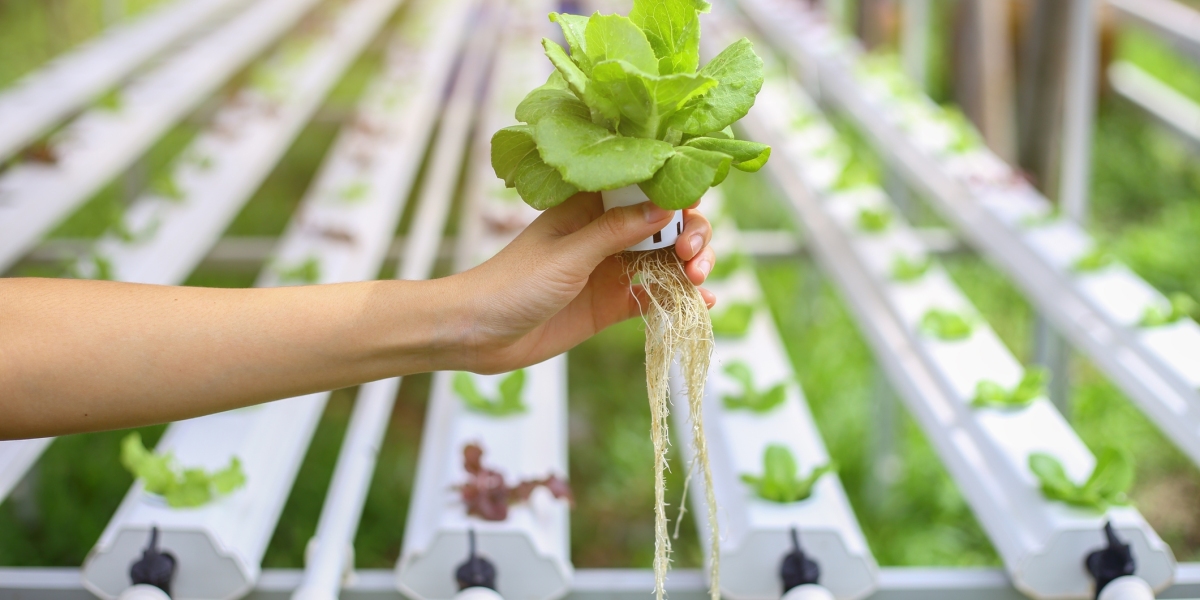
752	398
947	325
781	481
627	105
1107	486
1182	306
1032	385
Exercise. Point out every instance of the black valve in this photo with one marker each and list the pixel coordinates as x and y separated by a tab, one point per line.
797	568
1112	562
477	571
154	568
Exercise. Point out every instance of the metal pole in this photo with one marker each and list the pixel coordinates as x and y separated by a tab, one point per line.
1079	110
885	461
915	41
1052	352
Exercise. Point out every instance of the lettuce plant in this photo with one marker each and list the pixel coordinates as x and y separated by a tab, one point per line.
905	269
780	481
627	106
181	488
752	398
947	325
1182	305
1096	259
734	321
487	495
1105	487
874	220
307	272
167	188
1032	385
508	403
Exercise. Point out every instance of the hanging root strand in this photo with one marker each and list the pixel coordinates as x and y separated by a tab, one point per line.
677	324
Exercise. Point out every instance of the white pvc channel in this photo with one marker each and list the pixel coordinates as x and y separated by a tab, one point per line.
1042	542
331	560
220	546
531	549
33	105
98	145
1099	311
755	533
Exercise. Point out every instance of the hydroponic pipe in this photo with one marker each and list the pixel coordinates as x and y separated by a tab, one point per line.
800	575
152	574
1113	567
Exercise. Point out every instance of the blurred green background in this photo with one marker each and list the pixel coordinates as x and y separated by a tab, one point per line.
1146	205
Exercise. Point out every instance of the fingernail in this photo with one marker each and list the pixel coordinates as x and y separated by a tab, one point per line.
704	266
654	213
697	242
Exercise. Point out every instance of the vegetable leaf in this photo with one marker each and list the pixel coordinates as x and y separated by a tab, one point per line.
733	321
592	158
1032	385
549	100
615	37
747	156
874	220
188	488
905	269
1182	307
1095	260
752	399
739	74
685	177
602	108
508	403
308	271
946	325
646	101
1111	478
573	28
780	481
516	160
673	29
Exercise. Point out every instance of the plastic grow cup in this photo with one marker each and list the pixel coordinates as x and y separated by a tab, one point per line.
632	194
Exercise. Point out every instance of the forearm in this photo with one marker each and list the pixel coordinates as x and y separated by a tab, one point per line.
88	355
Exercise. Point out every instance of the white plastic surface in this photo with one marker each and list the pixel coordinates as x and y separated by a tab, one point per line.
808	592
98	145
143	591
631	195
1042	543
478	593
35	103
16	457
1126	588
755	533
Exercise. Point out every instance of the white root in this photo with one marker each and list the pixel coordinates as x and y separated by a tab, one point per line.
677	324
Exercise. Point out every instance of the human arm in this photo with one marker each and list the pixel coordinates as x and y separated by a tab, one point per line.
92	355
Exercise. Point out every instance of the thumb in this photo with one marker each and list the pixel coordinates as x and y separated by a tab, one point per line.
616	230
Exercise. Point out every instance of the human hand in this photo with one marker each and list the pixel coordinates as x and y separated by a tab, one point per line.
559	282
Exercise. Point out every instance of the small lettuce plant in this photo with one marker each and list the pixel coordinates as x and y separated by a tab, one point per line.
752	398
734	321
781	481
874	220
1105	487
508	402
180	487
629	104
947	325
1032	385
1096	259
1182	306
905	269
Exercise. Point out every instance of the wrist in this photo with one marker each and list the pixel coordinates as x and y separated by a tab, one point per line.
428	325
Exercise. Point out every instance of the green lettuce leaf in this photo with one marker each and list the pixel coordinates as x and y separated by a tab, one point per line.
508	403
603	109
685	177
593	158
646	102
1111	478
545	101
673	29
189	488
747	156
614	37
516	160
752	398
573	28
780	481
739	73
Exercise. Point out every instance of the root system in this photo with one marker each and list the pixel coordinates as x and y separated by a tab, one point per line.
678	328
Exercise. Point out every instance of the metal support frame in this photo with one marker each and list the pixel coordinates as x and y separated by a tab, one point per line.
1080	110
1173	110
